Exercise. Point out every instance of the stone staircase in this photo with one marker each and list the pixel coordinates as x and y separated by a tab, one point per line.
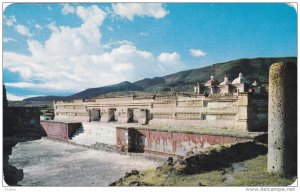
96	134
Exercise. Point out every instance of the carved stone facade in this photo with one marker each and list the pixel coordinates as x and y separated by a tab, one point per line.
240	111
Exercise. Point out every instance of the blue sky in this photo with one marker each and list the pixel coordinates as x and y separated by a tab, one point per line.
60	49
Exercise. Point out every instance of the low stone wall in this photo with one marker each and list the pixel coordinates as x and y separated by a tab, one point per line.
168	143
61	130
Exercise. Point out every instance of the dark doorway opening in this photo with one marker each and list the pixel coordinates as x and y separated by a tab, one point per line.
136	141
95	115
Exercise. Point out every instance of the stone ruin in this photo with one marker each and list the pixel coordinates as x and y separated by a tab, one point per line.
282	126
227	106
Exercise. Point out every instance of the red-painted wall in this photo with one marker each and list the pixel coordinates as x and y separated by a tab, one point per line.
169	143
59	129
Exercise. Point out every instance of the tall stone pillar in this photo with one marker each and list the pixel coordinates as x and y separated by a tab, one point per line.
282	115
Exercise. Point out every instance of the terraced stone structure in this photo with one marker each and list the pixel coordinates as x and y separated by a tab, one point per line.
239	112
109	122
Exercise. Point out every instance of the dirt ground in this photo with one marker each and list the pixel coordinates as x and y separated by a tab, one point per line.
52	163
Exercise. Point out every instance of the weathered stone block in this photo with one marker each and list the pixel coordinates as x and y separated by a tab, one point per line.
243	99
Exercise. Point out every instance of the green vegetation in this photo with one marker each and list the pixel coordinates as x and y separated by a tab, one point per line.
40	104
251	172
256	175
208	131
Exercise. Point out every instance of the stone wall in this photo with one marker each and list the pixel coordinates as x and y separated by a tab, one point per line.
168	142
60	130
241	112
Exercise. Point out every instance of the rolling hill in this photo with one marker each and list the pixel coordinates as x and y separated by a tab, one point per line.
93	92
252	69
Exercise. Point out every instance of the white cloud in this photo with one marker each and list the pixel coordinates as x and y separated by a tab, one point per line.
10	20
197	53
23	30
110	28
52	27
20	85
123	67
144	34
130	10
67	9
49	8
170	62
37	26
6	40
73	58
91	15
169	57
12	97
113	44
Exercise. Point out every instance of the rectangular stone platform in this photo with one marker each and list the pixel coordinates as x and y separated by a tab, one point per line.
62	130
175	141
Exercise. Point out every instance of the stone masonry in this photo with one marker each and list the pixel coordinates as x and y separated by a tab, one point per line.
240	112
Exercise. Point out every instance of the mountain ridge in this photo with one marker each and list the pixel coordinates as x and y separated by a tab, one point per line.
253	69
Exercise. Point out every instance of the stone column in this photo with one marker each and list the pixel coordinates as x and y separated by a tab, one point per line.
282	123
242	114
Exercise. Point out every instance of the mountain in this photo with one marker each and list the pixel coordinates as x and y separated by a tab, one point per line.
252	69
93	92
45	98
147	82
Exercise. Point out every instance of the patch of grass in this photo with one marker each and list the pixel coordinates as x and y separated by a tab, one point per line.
254	174
257	175
213	178
153	177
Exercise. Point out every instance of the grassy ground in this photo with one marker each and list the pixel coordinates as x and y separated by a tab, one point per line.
253	172
256	175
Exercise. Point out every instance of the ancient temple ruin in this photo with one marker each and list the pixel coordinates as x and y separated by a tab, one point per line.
169	124
225	105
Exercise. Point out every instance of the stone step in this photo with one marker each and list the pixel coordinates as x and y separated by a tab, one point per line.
84	142
94	131
96	138
91	133
96	134
98	127
92	137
